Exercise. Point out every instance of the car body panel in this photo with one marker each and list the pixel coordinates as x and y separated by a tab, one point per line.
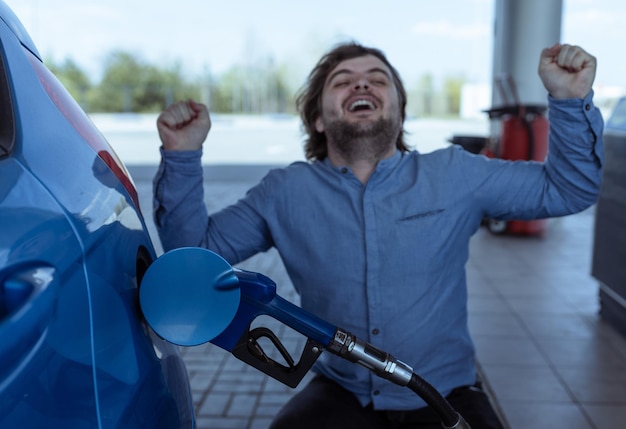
13	23
73	248
609	244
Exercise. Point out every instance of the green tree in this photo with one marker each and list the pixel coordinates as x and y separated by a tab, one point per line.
281	95
227	91
422	100
452	88
261	88
129	84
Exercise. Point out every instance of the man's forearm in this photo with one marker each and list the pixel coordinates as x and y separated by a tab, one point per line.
179	211
576	152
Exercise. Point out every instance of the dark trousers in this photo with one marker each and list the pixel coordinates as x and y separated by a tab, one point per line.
325	404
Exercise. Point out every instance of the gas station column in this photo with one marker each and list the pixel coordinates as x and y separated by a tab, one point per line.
519	126
522	29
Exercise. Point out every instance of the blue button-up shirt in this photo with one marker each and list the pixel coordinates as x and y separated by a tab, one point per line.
386	260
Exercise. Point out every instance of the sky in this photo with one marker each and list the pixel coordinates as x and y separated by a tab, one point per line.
442	38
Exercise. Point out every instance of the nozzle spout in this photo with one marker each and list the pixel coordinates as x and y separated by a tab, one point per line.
381	363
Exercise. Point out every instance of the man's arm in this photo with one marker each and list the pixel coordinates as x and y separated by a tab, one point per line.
575	156
179	211
570	178
180	214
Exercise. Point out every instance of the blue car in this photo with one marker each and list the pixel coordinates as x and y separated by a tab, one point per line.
75	351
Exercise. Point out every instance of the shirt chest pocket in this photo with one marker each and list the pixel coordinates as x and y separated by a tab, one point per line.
420	238
423	228
424	215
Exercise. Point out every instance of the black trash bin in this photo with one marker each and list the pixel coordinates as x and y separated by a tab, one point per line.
473	144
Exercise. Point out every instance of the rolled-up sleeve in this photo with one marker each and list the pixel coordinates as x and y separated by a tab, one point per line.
576	153
178	206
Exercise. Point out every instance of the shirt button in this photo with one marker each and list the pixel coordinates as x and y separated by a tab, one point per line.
375	331
344	170
587	107
376	392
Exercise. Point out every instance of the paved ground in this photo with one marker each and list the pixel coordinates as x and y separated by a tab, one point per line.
547	357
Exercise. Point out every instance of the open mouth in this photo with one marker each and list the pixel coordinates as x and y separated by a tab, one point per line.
361	105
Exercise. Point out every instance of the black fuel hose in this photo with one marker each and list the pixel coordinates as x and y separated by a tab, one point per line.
449	417
384	365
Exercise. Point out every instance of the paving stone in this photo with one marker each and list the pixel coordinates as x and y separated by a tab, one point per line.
215	404
243	404
260	423
222	423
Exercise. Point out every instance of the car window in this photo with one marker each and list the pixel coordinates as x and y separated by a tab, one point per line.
7	123
80	121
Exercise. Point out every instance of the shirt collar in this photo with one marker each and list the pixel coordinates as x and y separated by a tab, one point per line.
382	168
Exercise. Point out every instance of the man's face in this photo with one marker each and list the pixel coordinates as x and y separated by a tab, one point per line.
359	91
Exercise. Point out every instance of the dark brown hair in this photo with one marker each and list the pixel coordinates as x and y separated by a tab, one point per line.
309	99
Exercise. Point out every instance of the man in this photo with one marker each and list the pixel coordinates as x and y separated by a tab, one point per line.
375	237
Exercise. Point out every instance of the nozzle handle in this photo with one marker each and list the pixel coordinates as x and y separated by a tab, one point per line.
250	351
258	298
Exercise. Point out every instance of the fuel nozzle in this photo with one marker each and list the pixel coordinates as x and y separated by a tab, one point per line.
386	366
191	296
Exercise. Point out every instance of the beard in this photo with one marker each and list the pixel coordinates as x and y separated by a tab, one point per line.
370	141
